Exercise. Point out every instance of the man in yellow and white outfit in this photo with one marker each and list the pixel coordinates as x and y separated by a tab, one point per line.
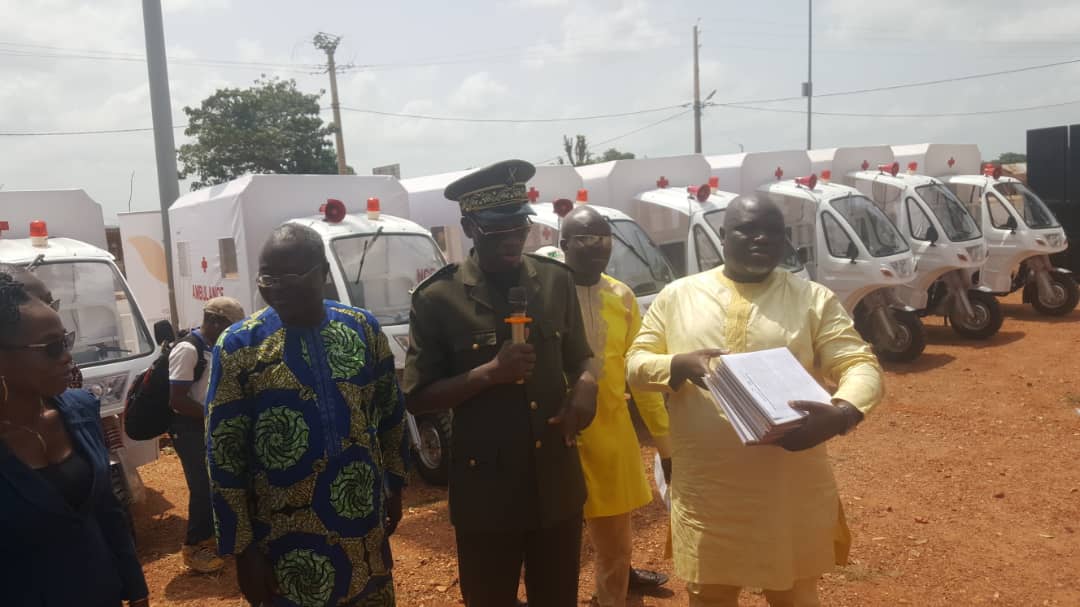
609	449
760	516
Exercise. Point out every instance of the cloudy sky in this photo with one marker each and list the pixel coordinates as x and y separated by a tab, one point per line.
68	65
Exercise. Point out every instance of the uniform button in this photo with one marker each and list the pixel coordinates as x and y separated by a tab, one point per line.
476	346
472	463
539	444
534	406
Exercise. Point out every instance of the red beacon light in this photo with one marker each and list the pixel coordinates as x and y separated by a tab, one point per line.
701	192
582	196
892	169
912	167
991	170
333	211
809	182
373	208
826	175
562	206
714	182
39	233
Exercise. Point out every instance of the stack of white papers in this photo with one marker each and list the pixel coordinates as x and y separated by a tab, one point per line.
753	390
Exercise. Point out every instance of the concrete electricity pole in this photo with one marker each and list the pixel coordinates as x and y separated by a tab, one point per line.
164	144
697	96
808	88
329	44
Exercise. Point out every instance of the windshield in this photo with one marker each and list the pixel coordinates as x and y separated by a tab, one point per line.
636	260
955	220
1027	204
96	304
392	265
878	234
790	262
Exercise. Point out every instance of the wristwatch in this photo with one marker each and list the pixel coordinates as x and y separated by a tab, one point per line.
851	415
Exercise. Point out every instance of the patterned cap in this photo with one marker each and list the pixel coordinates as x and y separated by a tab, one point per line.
494	193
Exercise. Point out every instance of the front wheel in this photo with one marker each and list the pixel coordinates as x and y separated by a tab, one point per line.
910	340
433	452
986	320
1064	295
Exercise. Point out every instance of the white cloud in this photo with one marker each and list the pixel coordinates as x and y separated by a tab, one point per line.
477	92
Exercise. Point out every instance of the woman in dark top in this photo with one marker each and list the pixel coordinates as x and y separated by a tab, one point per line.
64	538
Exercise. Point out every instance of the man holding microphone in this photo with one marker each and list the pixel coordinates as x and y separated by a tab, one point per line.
516	484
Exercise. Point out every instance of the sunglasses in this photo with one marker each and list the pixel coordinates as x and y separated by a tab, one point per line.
53	349
273	281
503	231
592	240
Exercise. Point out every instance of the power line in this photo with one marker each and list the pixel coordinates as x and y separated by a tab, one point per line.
629	133
740	106
893	87
90	132
515	120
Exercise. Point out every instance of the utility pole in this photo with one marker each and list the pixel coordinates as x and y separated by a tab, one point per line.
808	87
329	44
697	96
164	144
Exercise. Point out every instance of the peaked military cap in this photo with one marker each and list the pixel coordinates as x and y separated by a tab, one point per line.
496	193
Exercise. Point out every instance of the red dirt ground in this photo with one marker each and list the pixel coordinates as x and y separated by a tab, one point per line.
963	488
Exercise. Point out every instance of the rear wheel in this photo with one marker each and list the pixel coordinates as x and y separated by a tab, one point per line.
909	342
433	452
986	320
1064	295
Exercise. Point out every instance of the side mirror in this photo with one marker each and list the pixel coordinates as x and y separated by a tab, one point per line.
1010	223
804	255
852	252
164	332
932	235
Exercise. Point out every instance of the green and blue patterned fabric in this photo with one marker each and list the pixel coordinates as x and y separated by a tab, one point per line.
305	435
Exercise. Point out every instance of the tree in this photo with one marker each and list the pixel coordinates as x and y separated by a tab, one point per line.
1011	158
271	127
577	151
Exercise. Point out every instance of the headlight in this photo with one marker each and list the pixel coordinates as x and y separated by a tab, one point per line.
110	389
403	341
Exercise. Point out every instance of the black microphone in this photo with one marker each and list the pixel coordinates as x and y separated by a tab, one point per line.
518	321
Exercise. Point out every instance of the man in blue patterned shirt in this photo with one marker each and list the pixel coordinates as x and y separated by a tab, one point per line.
305	440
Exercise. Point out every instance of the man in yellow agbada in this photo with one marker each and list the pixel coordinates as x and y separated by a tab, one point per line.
761	516
609	449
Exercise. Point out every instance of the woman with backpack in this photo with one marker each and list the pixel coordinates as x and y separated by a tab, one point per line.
65	537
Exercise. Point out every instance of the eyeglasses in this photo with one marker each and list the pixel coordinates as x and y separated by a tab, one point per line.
504	231
53	349
592	240
273	281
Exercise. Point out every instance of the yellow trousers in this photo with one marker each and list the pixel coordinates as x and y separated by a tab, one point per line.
802	594
612	540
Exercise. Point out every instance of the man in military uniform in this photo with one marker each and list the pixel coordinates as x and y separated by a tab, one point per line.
516	485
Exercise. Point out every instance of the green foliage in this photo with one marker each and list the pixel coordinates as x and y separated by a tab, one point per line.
1011	158
271	127
577	152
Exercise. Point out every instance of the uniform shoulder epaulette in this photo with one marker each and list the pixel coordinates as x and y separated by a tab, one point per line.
552	260
444	272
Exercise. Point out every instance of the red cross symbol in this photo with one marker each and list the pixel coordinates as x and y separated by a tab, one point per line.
533	195
779	173
952	161
4	226
662	182
204	265
865	165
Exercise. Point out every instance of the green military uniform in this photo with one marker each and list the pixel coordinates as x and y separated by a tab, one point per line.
509	469
516	488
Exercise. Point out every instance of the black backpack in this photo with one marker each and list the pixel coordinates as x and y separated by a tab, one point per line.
147	413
